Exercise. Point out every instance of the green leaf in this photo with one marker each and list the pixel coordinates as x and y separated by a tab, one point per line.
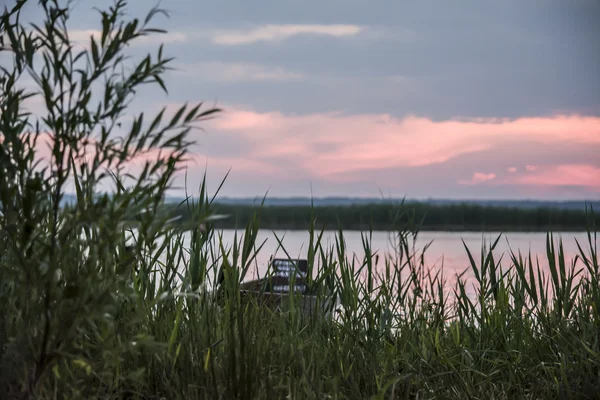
83	365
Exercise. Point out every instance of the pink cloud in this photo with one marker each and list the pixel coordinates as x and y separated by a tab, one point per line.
562	175
339	148
478	177
247	120
381	141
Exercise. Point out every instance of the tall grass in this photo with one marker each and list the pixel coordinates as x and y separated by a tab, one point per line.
86	316
398	331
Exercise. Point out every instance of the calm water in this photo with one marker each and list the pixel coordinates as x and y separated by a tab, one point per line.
446	250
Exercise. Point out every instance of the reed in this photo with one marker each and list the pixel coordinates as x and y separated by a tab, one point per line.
107	297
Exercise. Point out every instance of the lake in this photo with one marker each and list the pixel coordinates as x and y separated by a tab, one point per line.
446	250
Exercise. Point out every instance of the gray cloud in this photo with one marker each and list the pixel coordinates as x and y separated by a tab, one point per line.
223	72
479	58
281	32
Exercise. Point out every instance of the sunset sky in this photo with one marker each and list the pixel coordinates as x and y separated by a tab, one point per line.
470	99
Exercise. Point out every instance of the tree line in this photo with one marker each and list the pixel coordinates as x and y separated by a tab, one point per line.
454	217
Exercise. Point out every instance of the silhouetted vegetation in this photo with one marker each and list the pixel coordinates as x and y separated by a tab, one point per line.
460	217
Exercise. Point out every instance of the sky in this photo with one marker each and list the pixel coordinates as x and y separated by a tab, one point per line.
475	99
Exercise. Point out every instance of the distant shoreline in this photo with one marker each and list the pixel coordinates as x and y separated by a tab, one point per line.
392	217
425	228
336	201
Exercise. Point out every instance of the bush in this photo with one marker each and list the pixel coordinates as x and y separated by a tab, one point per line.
69	299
